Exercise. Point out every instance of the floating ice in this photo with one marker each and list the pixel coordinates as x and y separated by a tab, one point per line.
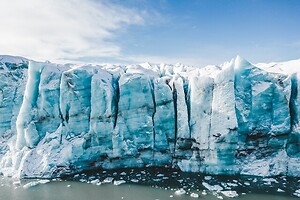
194	195
230	194
212	187
35	183
17	183
119	182
180	192
95	182
108	180
280	190
297	193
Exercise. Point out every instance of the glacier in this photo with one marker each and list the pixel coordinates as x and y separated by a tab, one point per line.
236	118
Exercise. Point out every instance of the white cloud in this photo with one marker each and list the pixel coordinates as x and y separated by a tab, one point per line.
62	29
196	62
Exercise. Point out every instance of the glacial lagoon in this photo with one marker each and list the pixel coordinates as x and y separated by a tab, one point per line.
151	184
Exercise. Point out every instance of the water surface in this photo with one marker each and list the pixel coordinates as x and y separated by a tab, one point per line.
153	184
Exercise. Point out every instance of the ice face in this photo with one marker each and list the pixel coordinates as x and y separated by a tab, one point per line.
236	118
75	100
103	110
13	73
164	120
28	109
136	132
201	96
48	111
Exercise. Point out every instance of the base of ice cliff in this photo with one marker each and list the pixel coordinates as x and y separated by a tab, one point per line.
236	118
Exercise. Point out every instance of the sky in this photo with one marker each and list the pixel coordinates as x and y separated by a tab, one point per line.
192	32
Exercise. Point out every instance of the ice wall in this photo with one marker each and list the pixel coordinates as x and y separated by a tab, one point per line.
13	76
230	119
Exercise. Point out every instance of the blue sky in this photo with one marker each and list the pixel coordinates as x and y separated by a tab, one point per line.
212	31
195	32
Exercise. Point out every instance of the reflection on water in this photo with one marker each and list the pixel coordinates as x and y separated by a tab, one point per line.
152	184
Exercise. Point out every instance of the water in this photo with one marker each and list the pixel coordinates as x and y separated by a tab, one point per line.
155	184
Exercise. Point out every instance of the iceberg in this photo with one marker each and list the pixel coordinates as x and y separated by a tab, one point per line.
236	118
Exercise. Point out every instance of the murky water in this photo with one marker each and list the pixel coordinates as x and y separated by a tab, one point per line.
148	185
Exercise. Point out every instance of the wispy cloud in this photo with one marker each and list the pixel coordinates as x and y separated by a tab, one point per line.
63	30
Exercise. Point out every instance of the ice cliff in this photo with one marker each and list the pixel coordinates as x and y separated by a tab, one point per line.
237	118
